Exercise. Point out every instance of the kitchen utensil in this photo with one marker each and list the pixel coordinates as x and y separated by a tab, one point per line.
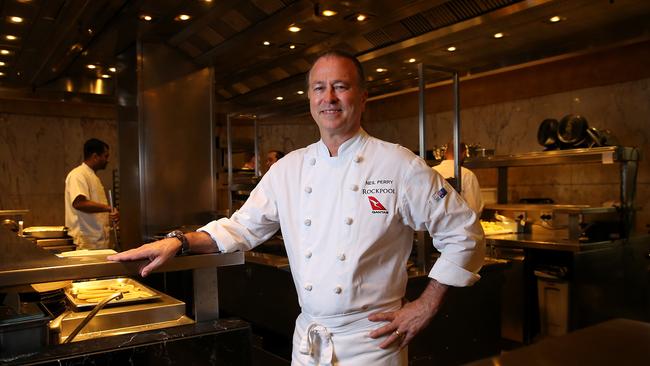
113	224
547	134
572	131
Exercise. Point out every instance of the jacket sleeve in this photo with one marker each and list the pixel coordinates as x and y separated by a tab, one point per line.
76	185
253	224
429	203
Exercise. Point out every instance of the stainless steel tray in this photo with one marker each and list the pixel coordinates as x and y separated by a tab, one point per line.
133	291
45	232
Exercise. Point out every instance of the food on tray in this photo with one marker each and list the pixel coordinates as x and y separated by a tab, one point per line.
94	293
491	228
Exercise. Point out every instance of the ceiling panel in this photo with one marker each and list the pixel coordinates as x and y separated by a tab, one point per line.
54	41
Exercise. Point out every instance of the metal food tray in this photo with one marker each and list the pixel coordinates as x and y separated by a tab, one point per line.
45	232
80	304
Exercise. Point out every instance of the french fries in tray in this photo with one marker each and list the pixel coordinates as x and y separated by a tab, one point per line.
87	294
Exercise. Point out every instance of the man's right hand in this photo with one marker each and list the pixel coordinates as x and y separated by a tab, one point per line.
157	253
114	215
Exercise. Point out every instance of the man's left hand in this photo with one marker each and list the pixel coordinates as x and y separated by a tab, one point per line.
408	321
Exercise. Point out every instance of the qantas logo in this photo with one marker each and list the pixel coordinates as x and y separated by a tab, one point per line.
376	206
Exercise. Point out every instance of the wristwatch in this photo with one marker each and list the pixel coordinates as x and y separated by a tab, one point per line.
185	244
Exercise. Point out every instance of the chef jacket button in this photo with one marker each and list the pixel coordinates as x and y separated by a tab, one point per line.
308	255
308	287
354	187
307	222
348	221
338	289
357	159
308	189
312	161
341	256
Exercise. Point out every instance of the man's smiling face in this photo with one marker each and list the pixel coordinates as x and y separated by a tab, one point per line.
336	99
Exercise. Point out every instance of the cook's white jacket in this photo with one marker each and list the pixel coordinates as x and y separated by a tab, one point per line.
348	221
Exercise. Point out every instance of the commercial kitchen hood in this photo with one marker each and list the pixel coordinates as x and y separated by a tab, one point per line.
58	39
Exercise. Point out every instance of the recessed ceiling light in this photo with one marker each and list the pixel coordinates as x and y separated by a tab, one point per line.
300	92
361	17
112	69
183	17
2	73
279	98
11	37
4	52
411	60
329	13
554	19
105	76
451	48
293	46
91	66
498	35
381	69
2	63
294	28
146	17
16	19
266	43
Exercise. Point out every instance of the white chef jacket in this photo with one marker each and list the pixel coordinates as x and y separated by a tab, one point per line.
347	224
88	230
471	191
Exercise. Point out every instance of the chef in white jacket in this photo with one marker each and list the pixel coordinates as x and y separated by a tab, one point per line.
471	190
347	206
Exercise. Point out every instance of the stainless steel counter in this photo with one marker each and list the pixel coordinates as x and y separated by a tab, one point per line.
55	269
549	241
23	262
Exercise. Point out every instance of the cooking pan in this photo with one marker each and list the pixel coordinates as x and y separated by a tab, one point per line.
572	131
547	133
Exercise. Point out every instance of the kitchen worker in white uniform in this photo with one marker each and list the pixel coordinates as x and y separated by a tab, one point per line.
347	206
471	191
87	212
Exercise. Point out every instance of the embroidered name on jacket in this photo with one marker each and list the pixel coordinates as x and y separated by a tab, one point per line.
378	187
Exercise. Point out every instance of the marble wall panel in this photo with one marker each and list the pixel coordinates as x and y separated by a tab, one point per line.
36	154
511	128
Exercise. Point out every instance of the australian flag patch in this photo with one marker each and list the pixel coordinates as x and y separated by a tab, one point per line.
440	194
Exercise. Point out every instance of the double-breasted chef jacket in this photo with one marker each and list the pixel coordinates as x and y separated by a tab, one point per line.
348	223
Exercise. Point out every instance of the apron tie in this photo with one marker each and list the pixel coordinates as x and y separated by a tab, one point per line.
317	343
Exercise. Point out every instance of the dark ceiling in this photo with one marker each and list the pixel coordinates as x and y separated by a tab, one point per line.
57	39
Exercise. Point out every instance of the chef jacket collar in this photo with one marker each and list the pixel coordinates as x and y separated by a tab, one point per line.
87	167
348	148
446	163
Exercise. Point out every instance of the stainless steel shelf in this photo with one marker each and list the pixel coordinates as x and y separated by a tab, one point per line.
57	269
602	155
24	263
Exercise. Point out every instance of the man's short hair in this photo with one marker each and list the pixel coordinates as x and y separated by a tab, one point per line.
361	76
94	146
278	154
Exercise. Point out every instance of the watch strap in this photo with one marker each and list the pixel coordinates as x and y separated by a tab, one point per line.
185	244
